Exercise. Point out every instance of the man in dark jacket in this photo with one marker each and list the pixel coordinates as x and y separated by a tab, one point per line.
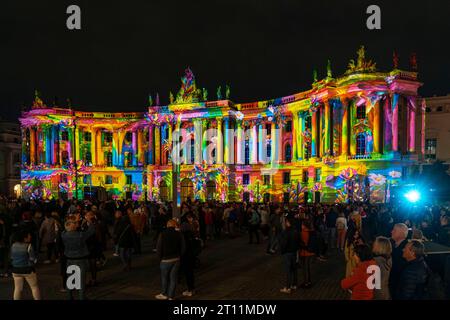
170	247
124	240
275	229
414	277
76	249
289	245
398	240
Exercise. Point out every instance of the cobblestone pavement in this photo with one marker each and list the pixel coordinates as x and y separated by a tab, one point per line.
229	269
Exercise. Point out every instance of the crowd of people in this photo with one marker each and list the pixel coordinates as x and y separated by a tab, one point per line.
77	233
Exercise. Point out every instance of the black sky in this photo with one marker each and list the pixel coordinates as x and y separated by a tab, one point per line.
263	49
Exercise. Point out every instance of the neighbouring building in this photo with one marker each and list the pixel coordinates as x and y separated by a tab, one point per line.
350	137
437	130
10	152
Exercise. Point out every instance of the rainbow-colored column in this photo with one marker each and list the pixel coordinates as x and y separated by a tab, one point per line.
198	137
395	122
151	146
314	138
345	129
376	127
219	153
158	145
253	144
240	145
412	126
327	122
228	142
261	141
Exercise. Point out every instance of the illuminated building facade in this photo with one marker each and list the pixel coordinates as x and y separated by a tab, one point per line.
350	137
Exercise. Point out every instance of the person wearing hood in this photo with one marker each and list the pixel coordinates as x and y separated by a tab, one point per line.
356	283
382	251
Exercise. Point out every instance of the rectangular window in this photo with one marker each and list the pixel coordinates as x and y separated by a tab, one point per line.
115	180
108	159
87	179
129	178
87	136
245	179
266	178
65	136
108	179
286	177
430	148
128	137
318	174
361	112
305	176
288	126
107	137
268	129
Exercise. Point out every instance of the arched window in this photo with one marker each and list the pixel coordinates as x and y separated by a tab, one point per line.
269	150
288	152
360	144
361	112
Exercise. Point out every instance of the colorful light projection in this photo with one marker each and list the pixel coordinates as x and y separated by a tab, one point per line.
342	138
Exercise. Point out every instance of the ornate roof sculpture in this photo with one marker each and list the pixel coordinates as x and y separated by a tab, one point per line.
362	65
38	103
188	92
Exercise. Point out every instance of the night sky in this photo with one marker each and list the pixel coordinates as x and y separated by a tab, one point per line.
263	49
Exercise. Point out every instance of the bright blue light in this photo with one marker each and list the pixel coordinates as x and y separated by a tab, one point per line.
412	196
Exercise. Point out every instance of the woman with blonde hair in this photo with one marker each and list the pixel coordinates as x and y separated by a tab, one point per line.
382	251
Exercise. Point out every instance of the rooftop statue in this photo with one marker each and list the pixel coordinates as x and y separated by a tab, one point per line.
362	65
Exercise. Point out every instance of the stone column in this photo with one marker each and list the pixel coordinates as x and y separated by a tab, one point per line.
219	151
151	146
158	145
395	122
93	147
205	140
240	143
198	140
376	128
314	138
253	144
412	126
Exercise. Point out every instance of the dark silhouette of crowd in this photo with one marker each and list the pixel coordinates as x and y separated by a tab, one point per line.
78	232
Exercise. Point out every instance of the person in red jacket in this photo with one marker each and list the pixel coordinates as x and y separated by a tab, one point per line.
356	283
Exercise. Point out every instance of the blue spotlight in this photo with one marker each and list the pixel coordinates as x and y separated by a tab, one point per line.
413	196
